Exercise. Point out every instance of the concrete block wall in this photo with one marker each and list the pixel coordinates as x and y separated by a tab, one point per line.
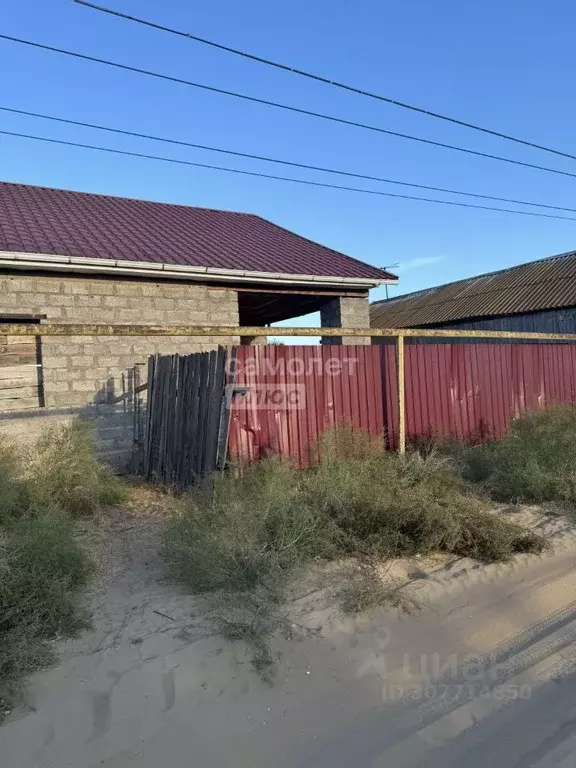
346	312
113	428
82	374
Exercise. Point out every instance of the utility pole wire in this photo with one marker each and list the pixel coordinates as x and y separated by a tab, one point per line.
278	161
280	178
266	102
320	78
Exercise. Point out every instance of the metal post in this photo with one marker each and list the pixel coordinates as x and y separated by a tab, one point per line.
401	395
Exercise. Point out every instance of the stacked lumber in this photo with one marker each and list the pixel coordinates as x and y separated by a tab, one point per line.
20	373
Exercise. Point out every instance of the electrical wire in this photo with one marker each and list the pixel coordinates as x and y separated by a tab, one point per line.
267	102
320	78
290	163
281	178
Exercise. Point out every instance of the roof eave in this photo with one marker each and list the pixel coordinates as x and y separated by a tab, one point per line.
58	263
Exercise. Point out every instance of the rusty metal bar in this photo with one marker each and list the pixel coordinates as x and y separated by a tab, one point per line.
73	329
401	372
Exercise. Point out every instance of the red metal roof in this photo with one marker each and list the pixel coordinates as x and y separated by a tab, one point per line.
56	221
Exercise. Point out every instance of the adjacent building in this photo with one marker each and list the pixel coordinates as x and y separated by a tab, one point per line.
539	296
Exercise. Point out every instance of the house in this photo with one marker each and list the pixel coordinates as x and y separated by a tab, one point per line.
71	257
539	296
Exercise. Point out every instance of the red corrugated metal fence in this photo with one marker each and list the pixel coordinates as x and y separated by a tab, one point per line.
287	395
474	390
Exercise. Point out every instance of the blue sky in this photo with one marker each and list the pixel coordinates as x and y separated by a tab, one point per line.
507	65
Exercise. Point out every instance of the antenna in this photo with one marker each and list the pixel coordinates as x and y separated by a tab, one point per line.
390	266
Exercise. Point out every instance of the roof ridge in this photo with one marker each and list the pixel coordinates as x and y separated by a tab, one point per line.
425	291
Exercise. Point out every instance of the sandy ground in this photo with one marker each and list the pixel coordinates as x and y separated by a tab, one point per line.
152	685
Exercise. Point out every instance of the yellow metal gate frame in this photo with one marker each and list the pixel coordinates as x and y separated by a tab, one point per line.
73	329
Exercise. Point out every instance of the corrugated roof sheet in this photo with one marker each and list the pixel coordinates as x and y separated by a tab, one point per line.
55	221
545	284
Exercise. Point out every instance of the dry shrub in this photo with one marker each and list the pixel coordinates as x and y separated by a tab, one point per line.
67	473
15	491
366	587
345	443
42	570
246	530
242	539
391	506
535	463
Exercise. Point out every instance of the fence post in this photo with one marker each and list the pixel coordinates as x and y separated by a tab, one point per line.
401	394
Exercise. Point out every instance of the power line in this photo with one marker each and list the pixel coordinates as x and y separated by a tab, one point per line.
266	102
321	79
280	178
278	161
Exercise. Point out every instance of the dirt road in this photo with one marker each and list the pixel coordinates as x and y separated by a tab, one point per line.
482	675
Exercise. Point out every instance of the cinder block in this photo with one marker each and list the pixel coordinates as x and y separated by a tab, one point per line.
52	375
81	361
141	303
77	287
25	284
127	289
89	301
108	362
164	303
45	285
101	287
52	313
76	315
59	300
9	299
51	387
86	385
61	399
115	301
59	349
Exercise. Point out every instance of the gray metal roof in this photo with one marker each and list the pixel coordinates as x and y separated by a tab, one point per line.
545	284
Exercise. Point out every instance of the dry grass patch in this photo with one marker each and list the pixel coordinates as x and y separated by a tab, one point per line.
243	539
42	570
42	567
535	463
67	473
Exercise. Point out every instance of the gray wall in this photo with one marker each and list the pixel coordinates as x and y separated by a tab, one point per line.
547	321
83	374
346	312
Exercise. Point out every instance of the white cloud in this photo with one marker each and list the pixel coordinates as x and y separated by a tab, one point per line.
416	263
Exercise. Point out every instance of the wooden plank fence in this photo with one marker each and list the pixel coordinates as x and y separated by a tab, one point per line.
184	416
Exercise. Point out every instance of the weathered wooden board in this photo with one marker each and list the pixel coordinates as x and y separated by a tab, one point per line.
18	349
185	395
8	359
13	393
24	373
30	381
